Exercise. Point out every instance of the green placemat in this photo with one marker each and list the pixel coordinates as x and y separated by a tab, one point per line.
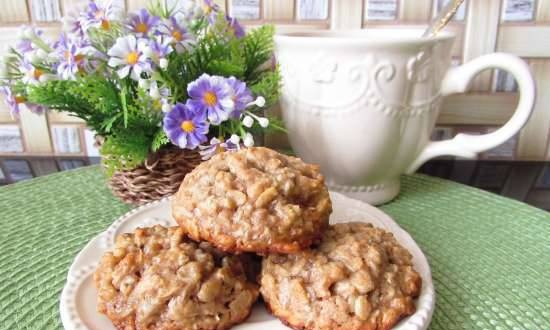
490	256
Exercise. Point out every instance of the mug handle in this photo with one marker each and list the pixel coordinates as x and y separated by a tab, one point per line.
456	81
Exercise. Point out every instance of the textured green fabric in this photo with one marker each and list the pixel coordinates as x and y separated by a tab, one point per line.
490	256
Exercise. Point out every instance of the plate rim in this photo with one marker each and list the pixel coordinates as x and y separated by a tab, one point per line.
76	274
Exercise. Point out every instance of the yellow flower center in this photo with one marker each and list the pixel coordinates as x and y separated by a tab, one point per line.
77	58
19	99
157	105
177	35
132	58
37	73
142	28
207	9
105	24
210	98
187	126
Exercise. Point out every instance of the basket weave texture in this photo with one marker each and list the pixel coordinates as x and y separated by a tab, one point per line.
160	176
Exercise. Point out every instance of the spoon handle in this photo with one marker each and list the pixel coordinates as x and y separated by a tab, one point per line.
444	16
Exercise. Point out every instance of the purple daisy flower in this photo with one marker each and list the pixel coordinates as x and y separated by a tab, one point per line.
210	9
234	27
186	126
142	23
14	102
208	151
241	96
126	54
100	16
213	95
11	100
217	146
158	50
73	57
179	36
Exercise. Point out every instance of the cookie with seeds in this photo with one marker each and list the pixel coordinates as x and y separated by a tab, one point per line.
157	279
358	278
254	200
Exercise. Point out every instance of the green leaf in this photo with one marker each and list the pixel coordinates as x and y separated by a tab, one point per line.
267	85
159	140
258	47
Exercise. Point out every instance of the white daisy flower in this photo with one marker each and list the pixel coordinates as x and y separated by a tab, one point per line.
127	55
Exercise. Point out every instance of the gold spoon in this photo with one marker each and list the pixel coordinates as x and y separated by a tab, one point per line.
444	16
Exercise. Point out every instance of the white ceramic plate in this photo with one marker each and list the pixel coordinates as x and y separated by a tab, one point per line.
78	299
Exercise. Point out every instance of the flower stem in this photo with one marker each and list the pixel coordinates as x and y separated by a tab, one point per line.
123	93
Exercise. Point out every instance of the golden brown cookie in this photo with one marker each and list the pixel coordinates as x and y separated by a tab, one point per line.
254	200
359	278
157	279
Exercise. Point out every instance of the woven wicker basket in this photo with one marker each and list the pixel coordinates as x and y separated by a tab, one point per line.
160	176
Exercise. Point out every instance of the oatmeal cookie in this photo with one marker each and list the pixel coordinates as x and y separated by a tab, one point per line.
359	278
254	200
157	279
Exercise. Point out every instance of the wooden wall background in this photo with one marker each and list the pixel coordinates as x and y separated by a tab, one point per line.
520	27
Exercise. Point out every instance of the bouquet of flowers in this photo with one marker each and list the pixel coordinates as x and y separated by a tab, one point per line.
186	75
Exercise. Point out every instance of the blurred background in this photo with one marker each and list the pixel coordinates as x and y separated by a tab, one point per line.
519	27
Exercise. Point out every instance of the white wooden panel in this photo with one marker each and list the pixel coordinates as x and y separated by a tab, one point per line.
66	139
347	14
246	9
380	10
46	10
14	11
35	133
415	11
518	10
70	6
312	9
5	116
525	41
480	36
281	10
289	28
478	109
134	5
543	10
533	138
10	139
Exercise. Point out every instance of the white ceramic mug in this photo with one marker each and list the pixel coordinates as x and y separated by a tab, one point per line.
363	104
